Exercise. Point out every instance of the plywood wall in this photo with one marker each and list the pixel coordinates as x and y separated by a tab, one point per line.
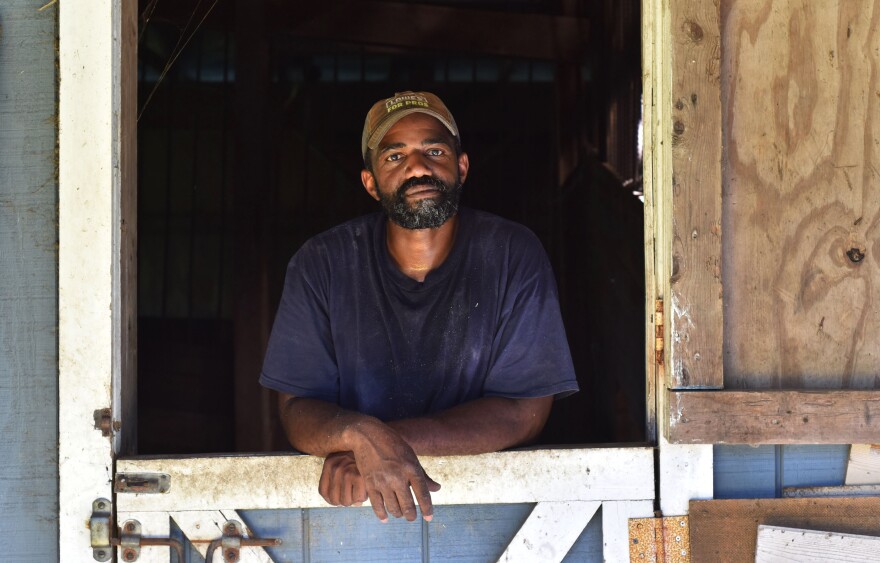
801	216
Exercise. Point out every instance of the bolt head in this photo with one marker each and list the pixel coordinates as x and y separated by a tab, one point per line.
231	556
129	555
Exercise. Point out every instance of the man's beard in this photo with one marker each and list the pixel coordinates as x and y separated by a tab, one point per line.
425	213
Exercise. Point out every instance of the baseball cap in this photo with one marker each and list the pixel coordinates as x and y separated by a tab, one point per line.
389	111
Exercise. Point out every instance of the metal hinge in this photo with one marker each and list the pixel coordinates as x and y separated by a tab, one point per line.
105	423
658	332
664	540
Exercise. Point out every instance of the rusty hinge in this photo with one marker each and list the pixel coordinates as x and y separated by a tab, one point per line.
658	332
664	540
105	423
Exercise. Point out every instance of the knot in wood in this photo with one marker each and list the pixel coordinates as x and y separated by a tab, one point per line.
678	127
693	30
855	255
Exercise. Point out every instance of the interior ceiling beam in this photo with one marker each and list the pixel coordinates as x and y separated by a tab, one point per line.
432	28
416	26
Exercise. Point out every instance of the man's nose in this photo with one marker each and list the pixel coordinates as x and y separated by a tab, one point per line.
418	165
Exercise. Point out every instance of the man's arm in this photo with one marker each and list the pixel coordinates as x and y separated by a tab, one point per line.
483	425
384	454
388	465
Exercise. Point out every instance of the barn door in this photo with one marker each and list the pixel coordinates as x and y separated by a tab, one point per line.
766	129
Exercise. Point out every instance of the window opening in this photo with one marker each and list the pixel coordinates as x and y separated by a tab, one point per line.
552	144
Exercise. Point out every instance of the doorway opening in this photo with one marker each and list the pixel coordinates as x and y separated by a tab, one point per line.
248	144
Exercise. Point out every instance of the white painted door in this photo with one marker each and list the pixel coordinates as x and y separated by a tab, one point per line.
96	257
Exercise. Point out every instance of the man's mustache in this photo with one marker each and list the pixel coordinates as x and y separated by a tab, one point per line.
431	181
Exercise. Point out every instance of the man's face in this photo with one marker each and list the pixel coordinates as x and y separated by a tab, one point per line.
417	177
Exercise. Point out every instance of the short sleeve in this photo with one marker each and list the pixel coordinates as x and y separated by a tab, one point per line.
531	357
300	357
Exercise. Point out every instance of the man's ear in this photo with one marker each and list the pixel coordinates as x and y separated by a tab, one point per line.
463	166
369	182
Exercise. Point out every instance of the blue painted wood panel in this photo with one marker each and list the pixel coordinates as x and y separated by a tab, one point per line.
762	472
472	534
28	282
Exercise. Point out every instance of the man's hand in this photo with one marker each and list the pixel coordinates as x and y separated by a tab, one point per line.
391	472
341	483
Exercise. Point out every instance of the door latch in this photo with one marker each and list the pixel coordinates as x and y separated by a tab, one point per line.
129	540
231	542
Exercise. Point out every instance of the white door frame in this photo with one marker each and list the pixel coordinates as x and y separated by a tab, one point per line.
97	40
96	162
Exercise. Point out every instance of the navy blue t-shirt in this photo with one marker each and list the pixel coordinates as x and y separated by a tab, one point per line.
352	329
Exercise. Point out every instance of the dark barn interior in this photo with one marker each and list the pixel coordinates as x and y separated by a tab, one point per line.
248	143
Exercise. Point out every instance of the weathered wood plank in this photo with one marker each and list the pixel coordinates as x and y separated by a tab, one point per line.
825	492
773	417
694	311
550	531
779	544
864	465
90	149
28	283
290	481
802	200
615	526
726	530
125	231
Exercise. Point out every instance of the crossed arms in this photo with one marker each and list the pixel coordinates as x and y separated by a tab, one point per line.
370	459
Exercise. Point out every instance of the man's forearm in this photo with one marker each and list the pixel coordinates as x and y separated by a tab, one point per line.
320	428
484	425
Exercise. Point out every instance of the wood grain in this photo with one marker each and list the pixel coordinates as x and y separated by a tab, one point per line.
863	467
694	309
802	193
780	544
726	530
125	235
774	417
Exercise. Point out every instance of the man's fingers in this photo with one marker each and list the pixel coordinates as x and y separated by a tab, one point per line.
421	488
378	504
433	485
359	491
325	483
407	506
391	503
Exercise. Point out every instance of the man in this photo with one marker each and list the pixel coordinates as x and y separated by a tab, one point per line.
423	330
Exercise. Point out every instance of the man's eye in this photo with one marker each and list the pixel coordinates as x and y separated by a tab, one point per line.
435	152
394	157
